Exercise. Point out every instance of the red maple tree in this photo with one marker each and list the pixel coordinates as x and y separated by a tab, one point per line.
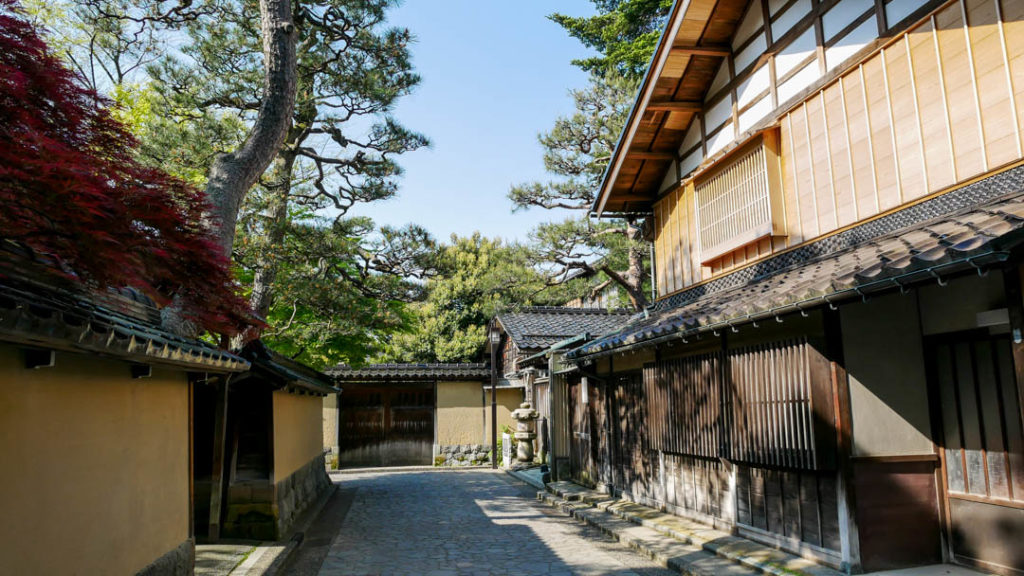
72	188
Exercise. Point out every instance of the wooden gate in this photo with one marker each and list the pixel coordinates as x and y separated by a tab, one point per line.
386	425
982	454
630	460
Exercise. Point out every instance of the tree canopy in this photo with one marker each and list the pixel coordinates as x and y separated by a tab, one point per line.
192	91
476	278
624	32
73	189
611	254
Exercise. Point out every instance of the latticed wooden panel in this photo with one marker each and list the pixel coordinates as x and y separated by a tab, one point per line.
766	404
782	412
734	206
683	398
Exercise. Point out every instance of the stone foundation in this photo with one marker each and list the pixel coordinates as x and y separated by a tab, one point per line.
296	492
250	511
177	562
462	455
259	511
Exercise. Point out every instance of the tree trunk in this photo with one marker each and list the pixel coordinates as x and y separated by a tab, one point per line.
277	225
271	243
632	279
233	174
635	277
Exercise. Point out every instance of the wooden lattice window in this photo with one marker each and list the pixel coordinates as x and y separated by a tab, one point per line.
739	199
782	410
683	399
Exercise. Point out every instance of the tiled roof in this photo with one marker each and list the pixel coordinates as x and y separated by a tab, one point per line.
283	372
38	314
539	327
973	227
409	372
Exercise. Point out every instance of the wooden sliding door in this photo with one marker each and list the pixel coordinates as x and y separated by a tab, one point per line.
982	449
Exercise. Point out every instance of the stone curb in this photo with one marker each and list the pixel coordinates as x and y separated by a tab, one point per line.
268	558
749	554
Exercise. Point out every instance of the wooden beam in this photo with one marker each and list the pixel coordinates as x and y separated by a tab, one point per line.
674	106
849	531
217	480
644	155
631	198
709	50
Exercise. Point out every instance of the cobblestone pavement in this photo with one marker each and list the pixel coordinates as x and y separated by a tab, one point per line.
470	522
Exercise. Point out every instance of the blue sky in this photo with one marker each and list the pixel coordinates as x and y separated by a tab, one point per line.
495	75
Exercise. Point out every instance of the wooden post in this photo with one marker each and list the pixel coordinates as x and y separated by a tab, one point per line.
1013	279
191	456
220	421
849	537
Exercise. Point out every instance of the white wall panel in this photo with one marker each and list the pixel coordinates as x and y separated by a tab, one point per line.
842	15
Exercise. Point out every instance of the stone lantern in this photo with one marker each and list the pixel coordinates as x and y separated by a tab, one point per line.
525	416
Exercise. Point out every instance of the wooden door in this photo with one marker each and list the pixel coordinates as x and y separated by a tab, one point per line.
386	426
979	418
600	432
628	437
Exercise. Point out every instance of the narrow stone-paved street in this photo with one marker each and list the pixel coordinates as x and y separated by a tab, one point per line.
469	522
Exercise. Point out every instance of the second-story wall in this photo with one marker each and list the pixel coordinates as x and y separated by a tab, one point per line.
935	106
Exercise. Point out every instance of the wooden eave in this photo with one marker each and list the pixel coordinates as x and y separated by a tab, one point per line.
684	64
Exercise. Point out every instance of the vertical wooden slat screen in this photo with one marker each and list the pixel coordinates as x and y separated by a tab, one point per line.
683	406
773	407
781	403
733	204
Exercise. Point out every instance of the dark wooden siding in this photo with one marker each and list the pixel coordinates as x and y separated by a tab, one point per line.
686	407
768	407
800	506
580	452
897	509
634	471
698	486
978	410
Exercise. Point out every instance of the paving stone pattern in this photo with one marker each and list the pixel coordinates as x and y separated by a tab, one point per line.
466	522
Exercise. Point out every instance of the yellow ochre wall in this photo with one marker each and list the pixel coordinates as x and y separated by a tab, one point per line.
508	400
95	465
330	419
298	432
460	414
936	106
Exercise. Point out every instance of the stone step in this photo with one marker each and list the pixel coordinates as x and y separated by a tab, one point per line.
681	557
739	551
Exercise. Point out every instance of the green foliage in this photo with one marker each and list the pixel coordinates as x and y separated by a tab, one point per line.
121	58
188	78
475	279
602	254
330	305
625	32
608	256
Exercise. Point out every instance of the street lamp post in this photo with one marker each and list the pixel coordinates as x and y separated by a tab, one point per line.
494	337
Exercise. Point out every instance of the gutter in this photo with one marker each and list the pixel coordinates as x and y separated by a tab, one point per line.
862	291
